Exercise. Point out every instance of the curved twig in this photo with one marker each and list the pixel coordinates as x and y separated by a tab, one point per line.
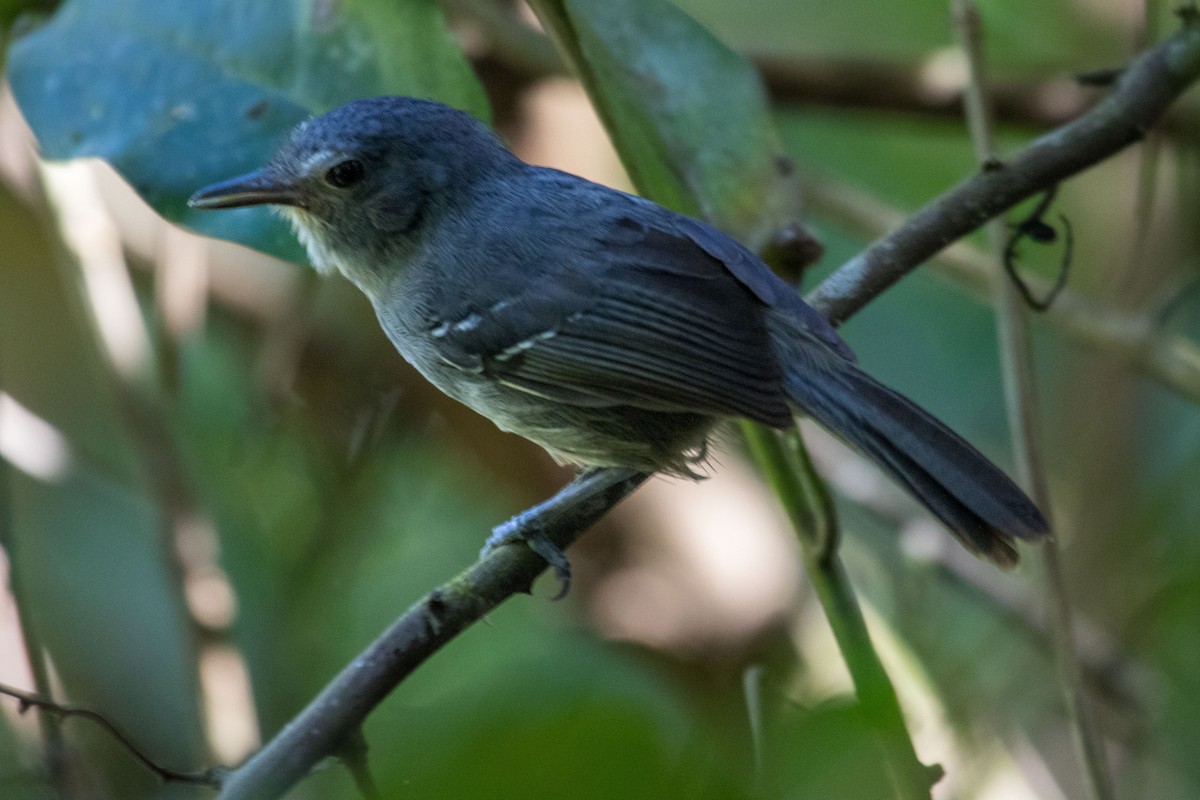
27	700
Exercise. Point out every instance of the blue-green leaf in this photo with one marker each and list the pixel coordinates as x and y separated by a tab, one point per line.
177	94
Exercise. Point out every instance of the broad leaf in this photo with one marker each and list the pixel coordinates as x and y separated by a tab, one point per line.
177	94
689	116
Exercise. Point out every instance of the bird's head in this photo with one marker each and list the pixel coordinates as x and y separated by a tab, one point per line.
360	182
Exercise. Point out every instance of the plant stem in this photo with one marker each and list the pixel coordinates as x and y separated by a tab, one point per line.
785	462
54	747
1020	391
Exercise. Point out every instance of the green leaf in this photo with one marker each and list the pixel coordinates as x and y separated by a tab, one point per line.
88	550
82	533
177	94
688	116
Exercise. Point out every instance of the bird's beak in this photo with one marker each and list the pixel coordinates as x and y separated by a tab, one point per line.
261	187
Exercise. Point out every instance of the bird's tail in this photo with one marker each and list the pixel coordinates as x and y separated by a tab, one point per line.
957	483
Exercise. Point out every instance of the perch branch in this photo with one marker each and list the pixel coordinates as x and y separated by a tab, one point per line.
335	716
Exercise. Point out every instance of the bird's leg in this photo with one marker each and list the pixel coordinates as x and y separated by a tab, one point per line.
576	507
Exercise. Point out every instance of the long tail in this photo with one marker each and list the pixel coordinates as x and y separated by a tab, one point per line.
957	483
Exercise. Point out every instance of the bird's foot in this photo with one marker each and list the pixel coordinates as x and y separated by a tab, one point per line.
526	528
575	507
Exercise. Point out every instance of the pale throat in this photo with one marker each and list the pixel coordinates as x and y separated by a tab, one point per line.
326	259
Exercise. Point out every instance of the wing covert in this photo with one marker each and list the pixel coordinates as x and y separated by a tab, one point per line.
647	318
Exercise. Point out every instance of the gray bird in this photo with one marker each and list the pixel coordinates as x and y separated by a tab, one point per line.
611	331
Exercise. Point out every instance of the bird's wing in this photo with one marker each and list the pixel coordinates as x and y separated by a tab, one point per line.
768	287
647	317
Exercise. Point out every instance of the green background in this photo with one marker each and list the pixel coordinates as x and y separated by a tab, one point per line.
347	491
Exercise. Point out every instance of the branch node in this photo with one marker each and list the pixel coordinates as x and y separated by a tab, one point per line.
435	610
792	249
353	754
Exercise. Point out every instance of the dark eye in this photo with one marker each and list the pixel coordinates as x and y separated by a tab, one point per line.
345	174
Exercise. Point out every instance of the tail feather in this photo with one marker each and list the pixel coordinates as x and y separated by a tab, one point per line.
957	483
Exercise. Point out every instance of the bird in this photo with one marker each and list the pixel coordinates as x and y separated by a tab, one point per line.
606	328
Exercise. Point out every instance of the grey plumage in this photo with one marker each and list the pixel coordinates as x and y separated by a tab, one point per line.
606	328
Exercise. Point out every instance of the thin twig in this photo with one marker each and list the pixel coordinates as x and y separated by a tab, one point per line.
877	698
1147	172
1142	95
209	777
1021	401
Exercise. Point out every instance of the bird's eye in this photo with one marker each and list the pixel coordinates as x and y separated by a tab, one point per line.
345	174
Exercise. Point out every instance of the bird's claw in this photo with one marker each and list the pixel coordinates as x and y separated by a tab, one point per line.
521	529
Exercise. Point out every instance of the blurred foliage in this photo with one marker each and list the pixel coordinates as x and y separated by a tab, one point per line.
1023	35
688	115
344	494
13	10
193	94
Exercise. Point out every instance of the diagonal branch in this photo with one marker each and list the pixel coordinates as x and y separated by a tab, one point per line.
334	718
1145	89
1134	338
